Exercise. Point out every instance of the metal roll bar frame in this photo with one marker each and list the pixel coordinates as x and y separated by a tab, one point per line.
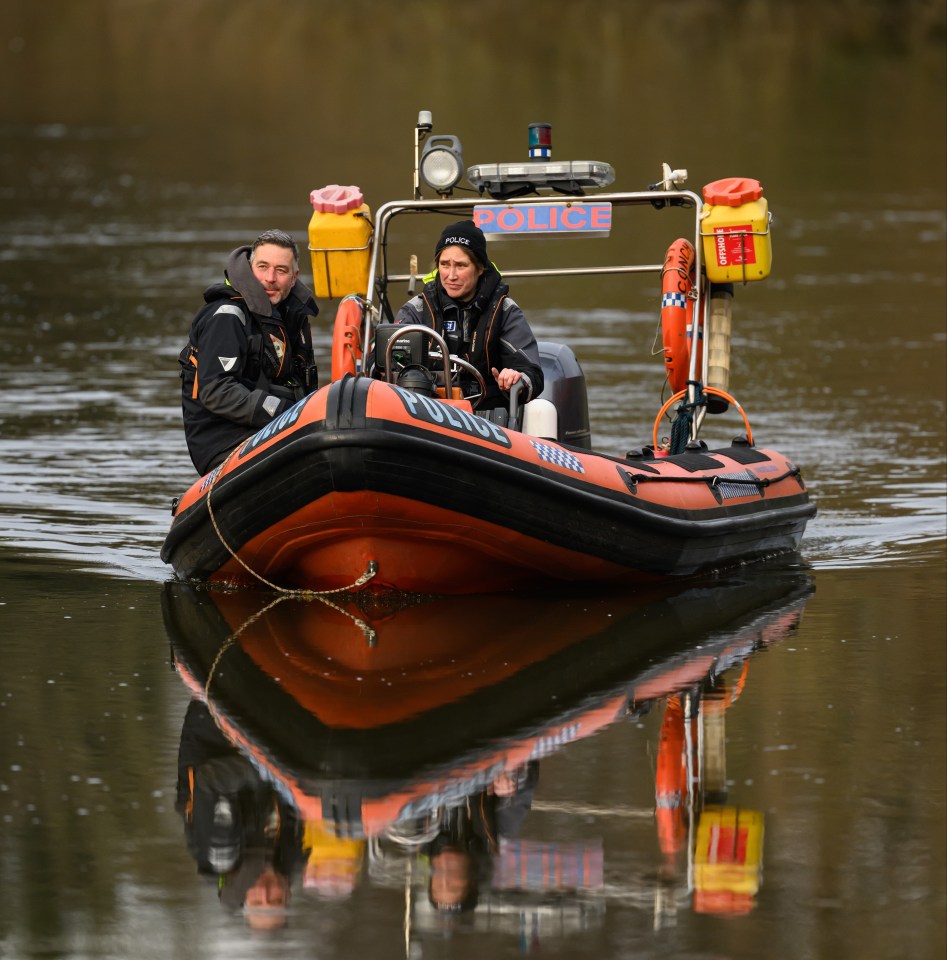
379	279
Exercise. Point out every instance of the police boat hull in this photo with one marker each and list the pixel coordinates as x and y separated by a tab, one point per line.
366	484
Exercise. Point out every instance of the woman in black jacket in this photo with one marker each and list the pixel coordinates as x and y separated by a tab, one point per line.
467	302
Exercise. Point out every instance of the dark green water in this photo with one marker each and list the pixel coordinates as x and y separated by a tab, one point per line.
140	142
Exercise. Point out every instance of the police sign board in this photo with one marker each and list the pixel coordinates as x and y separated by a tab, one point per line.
560	217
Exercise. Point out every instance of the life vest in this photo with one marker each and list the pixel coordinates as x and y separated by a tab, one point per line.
472	332
271	357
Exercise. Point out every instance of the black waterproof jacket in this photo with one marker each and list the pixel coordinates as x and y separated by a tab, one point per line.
489	331
235	821
245	362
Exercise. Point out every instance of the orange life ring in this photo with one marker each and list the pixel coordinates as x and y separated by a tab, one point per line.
347	338
677	312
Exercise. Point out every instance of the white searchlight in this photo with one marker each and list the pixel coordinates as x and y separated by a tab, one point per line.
442	164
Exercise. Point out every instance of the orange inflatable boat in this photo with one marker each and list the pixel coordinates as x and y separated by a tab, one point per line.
373	481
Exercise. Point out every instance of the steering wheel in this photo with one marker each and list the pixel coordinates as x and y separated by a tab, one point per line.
456	365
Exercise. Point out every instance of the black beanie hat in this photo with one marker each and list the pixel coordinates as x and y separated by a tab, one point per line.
464	233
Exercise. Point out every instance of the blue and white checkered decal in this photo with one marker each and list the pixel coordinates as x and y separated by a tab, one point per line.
561	458
730	490
674	300
209	479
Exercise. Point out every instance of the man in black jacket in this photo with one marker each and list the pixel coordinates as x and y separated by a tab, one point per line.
249	355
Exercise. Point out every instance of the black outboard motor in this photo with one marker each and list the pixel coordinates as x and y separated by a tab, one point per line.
565	389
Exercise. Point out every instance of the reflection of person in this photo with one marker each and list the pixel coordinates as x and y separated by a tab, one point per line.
238	828
249	355
258	889
467	302
514	792
459	856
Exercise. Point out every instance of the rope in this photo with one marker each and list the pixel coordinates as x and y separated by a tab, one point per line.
681	428
716	478
285	592
370	572
367	631
229	642
665	443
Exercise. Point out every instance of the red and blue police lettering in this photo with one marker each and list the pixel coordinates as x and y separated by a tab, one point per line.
563	217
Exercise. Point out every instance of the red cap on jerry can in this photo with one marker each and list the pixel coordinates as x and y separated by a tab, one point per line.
733	191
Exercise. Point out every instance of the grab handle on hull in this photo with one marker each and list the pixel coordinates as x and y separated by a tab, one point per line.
712	391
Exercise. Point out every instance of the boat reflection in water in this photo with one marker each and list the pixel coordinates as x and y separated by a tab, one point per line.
335	743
